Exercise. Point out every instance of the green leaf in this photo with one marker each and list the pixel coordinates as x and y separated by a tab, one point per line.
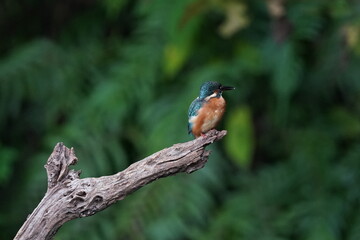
240	140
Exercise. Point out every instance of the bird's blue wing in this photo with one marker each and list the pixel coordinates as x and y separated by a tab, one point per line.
193	111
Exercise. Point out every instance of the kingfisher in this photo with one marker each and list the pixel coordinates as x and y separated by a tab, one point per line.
207	109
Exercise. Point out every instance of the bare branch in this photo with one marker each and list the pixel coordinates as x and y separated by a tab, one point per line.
69	197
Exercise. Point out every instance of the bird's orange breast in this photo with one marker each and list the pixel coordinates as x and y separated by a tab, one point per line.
209	116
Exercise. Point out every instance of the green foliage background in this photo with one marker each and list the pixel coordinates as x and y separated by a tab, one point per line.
114	79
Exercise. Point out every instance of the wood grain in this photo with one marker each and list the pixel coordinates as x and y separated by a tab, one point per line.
69	197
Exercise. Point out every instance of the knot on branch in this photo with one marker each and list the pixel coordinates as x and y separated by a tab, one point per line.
57	166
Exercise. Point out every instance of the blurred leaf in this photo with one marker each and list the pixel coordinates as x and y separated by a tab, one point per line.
306	19
347	124
287	72
276	8
340	8
286	77
236	18
192	10
240	141
114	6
352	37
320	231
251	57
174	58
8	157
181	36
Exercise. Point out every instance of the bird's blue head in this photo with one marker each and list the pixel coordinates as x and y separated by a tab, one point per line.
209	88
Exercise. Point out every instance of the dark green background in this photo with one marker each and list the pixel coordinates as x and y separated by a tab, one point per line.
114	80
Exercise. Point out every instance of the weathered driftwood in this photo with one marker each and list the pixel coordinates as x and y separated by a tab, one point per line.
69	197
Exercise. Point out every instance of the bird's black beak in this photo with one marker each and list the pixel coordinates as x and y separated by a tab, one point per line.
226	88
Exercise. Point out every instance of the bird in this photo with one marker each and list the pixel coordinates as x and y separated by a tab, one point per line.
206	111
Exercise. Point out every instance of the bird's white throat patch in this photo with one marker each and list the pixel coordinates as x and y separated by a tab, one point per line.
215	94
